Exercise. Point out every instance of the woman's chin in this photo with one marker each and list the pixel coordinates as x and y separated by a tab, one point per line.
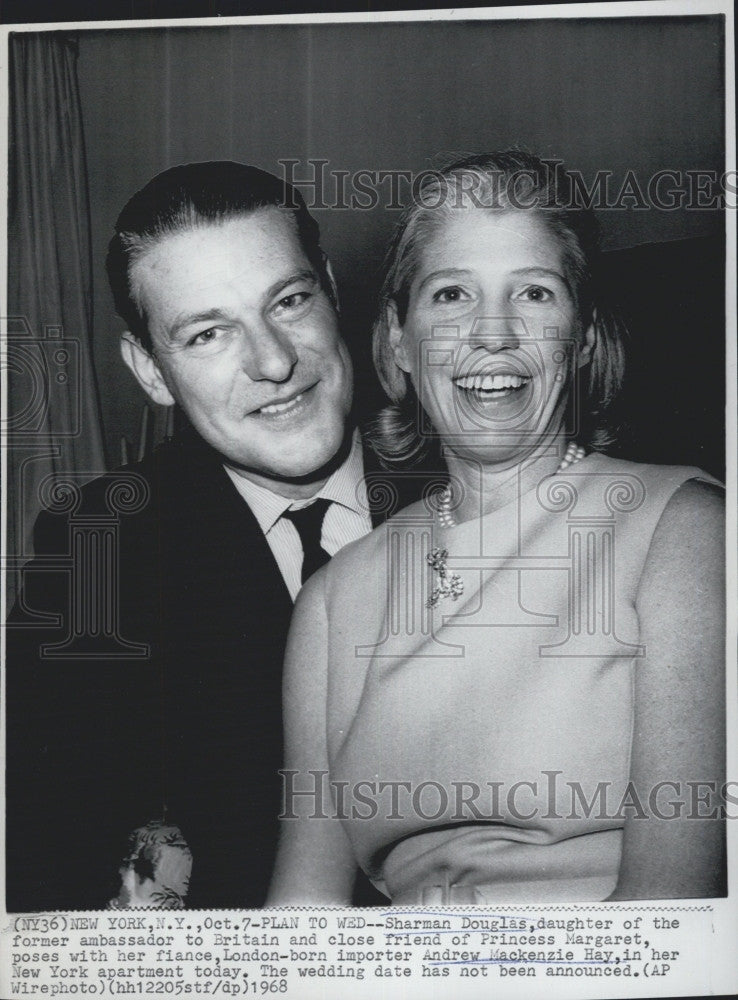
503	432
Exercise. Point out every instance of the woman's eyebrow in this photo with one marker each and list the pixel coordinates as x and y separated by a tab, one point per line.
543	272
447	272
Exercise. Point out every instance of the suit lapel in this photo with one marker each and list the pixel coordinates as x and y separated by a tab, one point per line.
214	537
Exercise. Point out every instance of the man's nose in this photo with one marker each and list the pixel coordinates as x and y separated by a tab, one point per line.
268	354
497	333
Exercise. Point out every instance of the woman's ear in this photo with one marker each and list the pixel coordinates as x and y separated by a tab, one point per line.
145	369
588	343
397	338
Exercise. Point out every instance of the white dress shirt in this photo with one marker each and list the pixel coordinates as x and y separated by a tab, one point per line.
346	519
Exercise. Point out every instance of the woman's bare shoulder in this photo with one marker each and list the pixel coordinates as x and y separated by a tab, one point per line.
684	568
695	510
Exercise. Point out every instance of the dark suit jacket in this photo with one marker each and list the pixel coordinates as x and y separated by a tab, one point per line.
100	743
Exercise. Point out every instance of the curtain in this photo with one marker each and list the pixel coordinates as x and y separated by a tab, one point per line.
53	416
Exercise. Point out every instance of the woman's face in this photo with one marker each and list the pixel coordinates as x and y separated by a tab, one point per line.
491	338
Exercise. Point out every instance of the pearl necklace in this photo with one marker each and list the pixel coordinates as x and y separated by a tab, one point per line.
450	584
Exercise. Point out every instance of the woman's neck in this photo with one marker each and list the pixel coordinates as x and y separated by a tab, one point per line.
489	486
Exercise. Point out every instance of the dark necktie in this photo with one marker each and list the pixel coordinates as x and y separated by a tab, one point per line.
309	524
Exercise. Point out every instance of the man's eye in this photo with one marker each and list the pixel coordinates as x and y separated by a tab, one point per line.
536	293
452	294
204	337
292	301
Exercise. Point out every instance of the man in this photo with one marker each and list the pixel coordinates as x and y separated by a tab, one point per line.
231	313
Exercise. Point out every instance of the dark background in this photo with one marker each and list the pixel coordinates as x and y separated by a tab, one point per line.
37	11
641	94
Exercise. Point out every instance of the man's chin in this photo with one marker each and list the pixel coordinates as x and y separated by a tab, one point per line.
299	466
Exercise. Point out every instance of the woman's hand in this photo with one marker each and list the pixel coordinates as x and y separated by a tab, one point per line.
315	862
678	734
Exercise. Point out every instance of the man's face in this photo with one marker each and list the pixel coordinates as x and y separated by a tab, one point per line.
247	342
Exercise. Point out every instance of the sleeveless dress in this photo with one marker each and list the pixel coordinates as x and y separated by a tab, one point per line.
479	751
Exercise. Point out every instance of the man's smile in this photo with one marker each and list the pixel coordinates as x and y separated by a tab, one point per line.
285	407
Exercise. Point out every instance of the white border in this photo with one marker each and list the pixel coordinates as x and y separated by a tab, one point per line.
721	979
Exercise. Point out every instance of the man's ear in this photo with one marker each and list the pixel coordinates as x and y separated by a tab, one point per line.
145	369
332	282
588	344
397	338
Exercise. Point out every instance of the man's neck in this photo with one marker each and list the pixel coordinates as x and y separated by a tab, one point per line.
284	488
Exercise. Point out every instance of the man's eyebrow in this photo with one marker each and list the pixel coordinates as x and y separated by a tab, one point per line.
184	320
307	274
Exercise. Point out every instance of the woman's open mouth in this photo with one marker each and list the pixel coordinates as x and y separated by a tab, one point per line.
485	388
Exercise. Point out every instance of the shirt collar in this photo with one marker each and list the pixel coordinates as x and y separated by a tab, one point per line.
345	486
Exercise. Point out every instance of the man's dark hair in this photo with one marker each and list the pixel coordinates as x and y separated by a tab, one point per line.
192	195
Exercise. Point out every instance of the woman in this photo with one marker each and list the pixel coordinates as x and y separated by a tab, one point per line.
503	693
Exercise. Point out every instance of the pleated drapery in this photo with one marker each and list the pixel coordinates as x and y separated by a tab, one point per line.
53	417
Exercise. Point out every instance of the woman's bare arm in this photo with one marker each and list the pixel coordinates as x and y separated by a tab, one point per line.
315	863
679	705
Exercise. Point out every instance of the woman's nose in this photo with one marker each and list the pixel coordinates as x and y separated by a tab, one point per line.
497	333
268	354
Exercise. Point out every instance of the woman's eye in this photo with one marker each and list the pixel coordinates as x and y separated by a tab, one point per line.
452	294
536	293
